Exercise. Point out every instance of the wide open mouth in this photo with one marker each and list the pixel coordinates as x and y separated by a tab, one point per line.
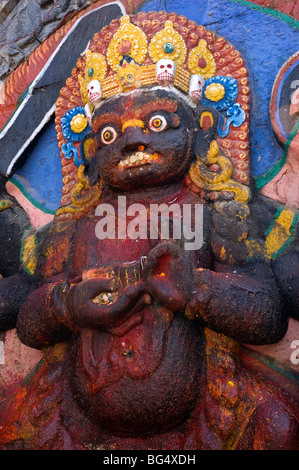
138	158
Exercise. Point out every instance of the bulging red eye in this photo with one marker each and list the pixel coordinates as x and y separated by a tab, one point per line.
157	123
169	66
162	66
108	135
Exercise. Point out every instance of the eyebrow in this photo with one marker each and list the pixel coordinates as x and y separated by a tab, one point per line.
160	104
107	118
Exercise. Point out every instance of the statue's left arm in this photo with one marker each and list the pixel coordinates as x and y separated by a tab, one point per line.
235	294
239	296
243	303
286	269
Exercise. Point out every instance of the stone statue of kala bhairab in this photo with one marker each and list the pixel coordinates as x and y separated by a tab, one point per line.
141	333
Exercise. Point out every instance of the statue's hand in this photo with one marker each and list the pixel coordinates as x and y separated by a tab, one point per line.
201	294
230	232
167	274
98	303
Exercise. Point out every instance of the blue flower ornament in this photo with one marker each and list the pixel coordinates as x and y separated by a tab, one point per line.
221	92
74	125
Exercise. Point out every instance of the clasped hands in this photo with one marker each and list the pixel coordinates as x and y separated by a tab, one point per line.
107	300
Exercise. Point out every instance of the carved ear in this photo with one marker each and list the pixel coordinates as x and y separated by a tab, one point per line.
88	151
207	124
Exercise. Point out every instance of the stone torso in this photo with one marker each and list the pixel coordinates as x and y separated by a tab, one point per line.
143	375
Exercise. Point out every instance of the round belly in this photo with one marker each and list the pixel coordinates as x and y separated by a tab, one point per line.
143	381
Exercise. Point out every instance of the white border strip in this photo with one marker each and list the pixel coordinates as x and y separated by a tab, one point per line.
28	141
50	112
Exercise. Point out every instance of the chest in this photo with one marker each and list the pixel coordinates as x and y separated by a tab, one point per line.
115	233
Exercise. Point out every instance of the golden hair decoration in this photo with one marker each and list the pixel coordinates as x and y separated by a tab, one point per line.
215	92
201	60
168	44
133	61
128	40
128	75
95	69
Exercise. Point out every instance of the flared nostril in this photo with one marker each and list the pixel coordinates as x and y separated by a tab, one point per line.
133	139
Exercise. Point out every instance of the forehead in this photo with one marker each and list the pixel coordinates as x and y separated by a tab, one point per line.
135	105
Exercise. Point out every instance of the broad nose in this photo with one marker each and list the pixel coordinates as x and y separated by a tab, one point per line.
133	135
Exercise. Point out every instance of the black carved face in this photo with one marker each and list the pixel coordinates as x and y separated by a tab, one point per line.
143	139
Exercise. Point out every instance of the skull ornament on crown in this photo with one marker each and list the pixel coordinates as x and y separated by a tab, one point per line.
94	91
196	86
165	71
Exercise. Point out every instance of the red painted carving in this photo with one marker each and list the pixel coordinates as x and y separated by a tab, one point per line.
141	337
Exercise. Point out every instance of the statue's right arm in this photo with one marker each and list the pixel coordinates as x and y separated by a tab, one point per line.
60	307
13	292
39	322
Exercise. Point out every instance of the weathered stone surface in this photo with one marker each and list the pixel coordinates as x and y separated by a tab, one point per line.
144	318
24	25
289	7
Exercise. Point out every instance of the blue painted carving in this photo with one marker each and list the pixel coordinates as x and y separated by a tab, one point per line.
235	116
230	86
265	42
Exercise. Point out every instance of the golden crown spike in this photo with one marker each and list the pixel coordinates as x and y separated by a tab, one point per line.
128	40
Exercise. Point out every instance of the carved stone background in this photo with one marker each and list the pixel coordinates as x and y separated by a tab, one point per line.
285	6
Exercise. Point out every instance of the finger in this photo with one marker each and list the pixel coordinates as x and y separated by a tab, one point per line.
232	209
167	247
76	280
162	250
108	316
111	315
95	286
227	251
234	229
128	298
171	295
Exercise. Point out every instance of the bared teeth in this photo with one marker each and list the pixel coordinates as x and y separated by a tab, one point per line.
139	158
133	159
